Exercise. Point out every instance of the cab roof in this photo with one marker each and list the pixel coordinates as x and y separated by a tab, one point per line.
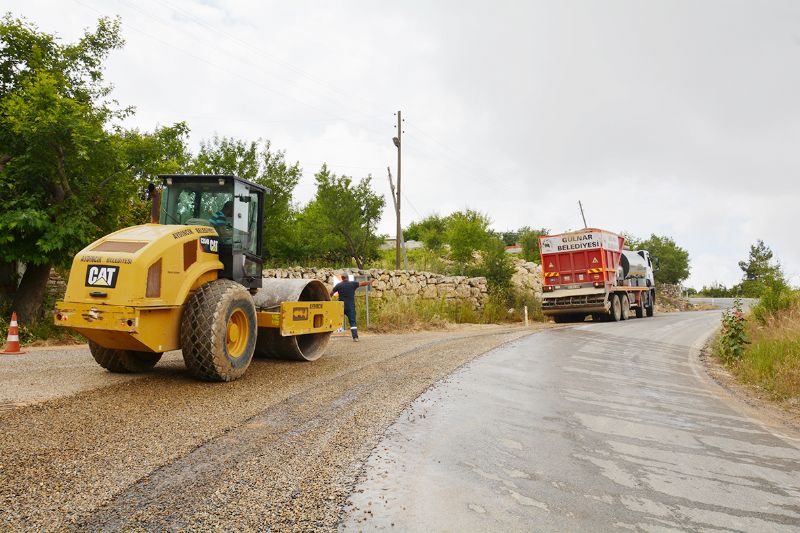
211	177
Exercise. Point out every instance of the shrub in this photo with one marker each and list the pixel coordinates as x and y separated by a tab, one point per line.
733	337
775	297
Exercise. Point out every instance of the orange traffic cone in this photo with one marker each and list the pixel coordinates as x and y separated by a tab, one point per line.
12	344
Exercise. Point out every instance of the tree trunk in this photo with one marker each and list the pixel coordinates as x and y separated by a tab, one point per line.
8	283
30	294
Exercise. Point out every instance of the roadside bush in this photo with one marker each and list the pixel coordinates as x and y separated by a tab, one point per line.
40	333
496	267
519	299
733	337
776	297
772	359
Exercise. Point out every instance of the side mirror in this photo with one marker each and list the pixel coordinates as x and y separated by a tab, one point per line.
658	264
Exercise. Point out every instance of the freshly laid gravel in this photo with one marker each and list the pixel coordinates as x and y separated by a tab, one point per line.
279	449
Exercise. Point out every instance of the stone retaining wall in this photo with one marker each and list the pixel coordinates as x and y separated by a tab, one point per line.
398	283
56	287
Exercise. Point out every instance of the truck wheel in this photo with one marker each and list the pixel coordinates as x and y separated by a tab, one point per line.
640	307
625	307
616	311
218	331
650	308
123	361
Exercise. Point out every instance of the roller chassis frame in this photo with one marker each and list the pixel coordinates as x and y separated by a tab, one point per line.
292	318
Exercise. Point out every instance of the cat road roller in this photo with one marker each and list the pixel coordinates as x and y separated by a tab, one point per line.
191	280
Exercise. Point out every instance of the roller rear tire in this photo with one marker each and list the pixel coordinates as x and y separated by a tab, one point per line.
123	361
218	331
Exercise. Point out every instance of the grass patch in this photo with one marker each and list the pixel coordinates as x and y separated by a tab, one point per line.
413	314
41	333
421	260
771	357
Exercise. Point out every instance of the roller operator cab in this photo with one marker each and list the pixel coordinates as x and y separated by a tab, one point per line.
233	207
193	282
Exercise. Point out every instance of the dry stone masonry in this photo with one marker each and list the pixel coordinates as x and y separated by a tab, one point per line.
410	283
399	283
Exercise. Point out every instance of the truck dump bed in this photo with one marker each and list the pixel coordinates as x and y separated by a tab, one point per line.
581	259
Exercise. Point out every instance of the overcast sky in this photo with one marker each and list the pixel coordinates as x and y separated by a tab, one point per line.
679	118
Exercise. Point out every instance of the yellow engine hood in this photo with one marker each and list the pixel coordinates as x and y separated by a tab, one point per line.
151	265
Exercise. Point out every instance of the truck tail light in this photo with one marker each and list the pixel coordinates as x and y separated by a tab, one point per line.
598	284
547	288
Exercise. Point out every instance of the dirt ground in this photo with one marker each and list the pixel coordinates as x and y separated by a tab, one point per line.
277	450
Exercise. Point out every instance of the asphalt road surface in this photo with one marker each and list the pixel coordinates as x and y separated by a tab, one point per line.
596	427
279	450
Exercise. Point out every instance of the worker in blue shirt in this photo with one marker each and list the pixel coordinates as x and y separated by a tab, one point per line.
221	220
347	293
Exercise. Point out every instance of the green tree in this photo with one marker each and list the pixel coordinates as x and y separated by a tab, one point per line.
759	271
467	232
673	260
145	156
632	242
258	162
529	238
497	266
59	164
342	218
431	230
226	156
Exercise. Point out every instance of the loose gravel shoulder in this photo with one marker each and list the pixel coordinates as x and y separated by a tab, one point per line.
279	449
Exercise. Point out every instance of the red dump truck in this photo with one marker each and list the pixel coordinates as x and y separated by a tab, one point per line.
589	273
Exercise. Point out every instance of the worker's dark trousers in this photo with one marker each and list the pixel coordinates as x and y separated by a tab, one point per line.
350	313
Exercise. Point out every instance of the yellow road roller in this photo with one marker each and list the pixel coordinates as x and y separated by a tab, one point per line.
191	280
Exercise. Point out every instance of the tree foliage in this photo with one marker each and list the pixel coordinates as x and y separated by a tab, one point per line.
59	167
431	231
342	218
673	260
529	239
760	272
146	155
496	266
467	232
257	161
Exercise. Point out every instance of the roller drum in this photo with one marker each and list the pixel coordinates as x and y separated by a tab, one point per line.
270	342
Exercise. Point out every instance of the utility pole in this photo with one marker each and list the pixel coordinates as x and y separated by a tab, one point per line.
394	203
582	216
398	143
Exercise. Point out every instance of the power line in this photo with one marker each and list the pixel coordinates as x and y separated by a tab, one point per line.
225	70
330	87
250	47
